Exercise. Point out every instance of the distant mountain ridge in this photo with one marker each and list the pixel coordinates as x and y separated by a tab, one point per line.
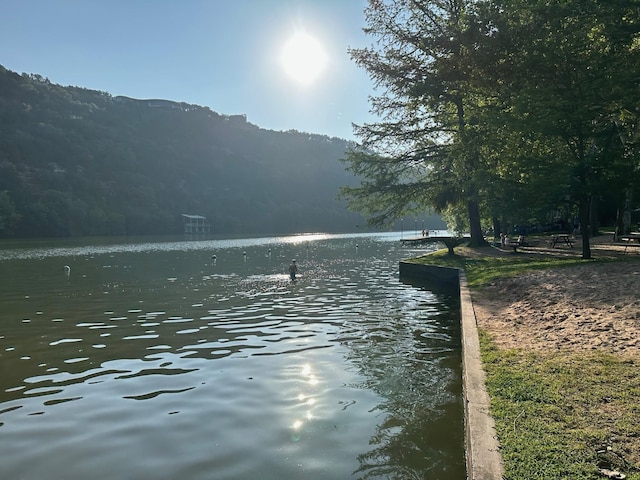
75	161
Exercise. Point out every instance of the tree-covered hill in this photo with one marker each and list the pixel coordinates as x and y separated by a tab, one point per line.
75	161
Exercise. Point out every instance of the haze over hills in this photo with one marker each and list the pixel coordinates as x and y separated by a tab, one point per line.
79	162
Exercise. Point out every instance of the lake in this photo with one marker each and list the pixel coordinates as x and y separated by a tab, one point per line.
200	359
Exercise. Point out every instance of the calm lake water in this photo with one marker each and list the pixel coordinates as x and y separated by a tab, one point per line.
172	359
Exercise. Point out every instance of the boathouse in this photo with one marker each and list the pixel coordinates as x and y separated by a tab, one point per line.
195	224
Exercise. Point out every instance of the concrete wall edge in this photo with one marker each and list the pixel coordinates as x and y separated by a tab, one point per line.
482	448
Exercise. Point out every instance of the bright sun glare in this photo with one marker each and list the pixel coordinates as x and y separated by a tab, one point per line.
303	58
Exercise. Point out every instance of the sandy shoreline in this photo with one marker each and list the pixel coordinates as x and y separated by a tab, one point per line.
595	306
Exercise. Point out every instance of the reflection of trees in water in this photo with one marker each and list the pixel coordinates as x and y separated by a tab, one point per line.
426	444
411	358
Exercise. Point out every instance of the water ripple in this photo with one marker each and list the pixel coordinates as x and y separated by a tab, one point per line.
155	357
148	396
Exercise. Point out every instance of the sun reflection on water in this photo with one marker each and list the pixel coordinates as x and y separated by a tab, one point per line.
307	237
306	401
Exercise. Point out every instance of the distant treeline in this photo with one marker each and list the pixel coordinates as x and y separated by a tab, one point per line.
77	162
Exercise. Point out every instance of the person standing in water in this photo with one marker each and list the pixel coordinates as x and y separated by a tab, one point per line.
293	269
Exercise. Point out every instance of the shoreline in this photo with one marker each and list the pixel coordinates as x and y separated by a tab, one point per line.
567	315
576	315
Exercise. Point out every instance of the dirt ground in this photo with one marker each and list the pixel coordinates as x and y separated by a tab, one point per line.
583	308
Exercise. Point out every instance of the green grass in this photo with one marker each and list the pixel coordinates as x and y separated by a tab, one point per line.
554	412
481	271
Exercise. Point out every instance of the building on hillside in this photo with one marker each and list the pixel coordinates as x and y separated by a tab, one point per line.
151	102
236	119
195	224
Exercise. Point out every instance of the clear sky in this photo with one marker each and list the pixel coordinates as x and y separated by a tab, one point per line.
223	54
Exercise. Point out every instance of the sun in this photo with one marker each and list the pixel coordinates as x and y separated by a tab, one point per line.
303	58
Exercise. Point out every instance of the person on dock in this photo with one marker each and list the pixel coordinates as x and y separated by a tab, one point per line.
293	269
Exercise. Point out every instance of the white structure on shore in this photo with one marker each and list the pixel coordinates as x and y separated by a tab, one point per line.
195	224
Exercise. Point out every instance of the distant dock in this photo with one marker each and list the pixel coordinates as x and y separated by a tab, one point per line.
425	239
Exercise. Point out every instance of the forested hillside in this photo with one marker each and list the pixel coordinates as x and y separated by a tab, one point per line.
75	161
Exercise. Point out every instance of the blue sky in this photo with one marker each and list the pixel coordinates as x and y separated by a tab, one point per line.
223	54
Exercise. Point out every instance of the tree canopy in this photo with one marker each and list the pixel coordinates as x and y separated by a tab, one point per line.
510	111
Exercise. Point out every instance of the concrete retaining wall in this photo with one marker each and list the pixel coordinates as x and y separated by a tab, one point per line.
482	448
429	273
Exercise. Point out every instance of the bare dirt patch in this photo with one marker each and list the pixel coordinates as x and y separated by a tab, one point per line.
583	308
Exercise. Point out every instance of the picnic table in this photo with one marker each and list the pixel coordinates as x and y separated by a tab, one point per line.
561	238
631	237
629	240
511	243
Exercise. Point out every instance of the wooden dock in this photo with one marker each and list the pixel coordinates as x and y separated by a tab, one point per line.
449	241
419	240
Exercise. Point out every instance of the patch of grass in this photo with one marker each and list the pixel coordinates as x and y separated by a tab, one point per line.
563	416
483	270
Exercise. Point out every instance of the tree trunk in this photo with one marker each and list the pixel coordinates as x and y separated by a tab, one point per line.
623	216
594	221
619	230
475	227
496	227
585	228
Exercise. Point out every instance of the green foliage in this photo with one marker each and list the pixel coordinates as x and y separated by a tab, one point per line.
502	110
563	78
81	162
426	150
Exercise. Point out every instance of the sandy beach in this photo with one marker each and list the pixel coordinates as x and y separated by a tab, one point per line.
584	308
